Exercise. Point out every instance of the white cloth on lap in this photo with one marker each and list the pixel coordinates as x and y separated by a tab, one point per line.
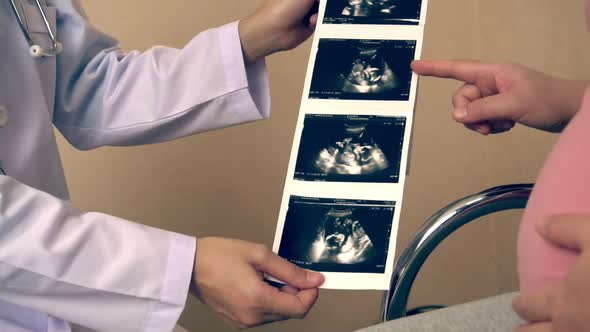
488	315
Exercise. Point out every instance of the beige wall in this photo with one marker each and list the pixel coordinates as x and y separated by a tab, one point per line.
230	182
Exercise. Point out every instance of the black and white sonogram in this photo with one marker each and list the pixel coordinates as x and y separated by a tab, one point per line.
363	69
350	148
332	235
401	12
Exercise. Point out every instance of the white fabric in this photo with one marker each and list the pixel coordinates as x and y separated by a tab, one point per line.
493	314
62	269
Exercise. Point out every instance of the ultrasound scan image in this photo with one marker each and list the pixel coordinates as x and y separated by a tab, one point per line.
341	148
363	69
400	12
337	236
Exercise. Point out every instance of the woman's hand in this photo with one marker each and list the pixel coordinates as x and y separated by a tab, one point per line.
496	96
229	278
564	307
278	25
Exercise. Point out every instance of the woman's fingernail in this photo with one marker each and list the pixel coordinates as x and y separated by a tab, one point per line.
461	113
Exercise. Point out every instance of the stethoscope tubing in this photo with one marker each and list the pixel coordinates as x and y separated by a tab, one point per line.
37	50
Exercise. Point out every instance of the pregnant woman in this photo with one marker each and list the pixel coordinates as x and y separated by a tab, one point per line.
554	270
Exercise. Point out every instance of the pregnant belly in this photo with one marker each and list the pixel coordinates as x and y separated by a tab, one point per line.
562	188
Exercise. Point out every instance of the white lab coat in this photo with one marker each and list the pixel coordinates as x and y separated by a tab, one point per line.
61	268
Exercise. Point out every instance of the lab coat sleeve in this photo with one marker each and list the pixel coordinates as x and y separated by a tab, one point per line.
90	269
107	97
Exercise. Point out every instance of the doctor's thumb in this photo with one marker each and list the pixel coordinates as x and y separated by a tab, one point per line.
290	273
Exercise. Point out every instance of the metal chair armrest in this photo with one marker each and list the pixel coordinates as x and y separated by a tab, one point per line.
439	227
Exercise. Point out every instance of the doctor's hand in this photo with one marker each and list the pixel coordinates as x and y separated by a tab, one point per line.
564	307
278	25
496	96
229	278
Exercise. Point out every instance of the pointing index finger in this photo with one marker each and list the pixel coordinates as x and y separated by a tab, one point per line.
466	71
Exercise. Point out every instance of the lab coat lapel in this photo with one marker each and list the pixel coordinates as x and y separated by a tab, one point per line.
46	66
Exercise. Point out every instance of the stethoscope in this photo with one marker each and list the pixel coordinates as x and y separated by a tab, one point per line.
35	49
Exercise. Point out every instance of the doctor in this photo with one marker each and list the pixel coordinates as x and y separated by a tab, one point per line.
62	269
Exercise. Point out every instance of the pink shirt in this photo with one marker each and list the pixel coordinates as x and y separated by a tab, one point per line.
562	188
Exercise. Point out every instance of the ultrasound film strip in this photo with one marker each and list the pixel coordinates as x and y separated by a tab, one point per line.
341	204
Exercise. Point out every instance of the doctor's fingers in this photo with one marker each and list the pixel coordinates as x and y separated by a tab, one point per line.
290	290
278	305
287	304
285	271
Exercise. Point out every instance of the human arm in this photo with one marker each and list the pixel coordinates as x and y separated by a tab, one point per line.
105	96
111	94
565	306
229	278
496	96
83	267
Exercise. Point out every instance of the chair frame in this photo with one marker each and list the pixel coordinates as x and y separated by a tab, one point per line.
436	229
